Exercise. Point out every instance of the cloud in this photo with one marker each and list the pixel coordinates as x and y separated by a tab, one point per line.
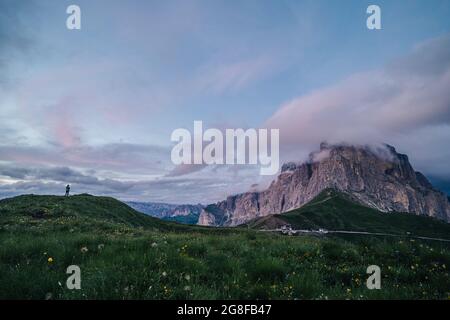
185	169
52	180
60	174
122	157
234	76
396	104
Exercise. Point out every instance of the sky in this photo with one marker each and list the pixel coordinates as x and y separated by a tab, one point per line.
96	107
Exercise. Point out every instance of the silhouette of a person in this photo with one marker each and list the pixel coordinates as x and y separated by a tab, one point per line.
67	190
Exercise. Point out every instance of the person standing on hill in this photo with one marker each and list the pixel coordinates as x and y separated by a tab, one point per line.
67	190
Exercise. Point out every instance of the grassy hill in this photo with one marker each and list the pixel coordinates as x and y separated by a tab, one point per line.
333	210
80	208
124	254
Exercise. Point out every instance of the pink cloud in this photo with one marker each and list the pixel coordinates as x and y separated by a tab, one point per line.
389	105
369	106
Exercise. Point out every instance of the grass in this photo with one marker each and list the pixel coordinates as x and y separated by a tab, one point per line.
127	255
335	211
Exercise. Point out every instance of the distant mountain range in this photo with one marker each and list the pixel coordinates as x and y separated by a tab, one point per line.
183	213
376	177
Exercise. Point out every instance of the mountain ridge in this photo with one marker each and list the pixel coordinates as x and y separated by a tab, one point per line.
377	177
183	213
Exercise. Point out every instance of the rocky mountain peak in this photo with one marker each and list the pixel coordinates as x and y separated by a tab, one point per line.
376	176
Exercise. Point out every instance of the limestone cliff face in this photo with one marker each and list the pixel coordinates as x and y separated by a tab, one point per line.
377	177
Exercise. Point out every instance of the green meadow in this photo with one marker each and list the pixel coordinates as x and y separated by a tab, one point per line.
124	254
